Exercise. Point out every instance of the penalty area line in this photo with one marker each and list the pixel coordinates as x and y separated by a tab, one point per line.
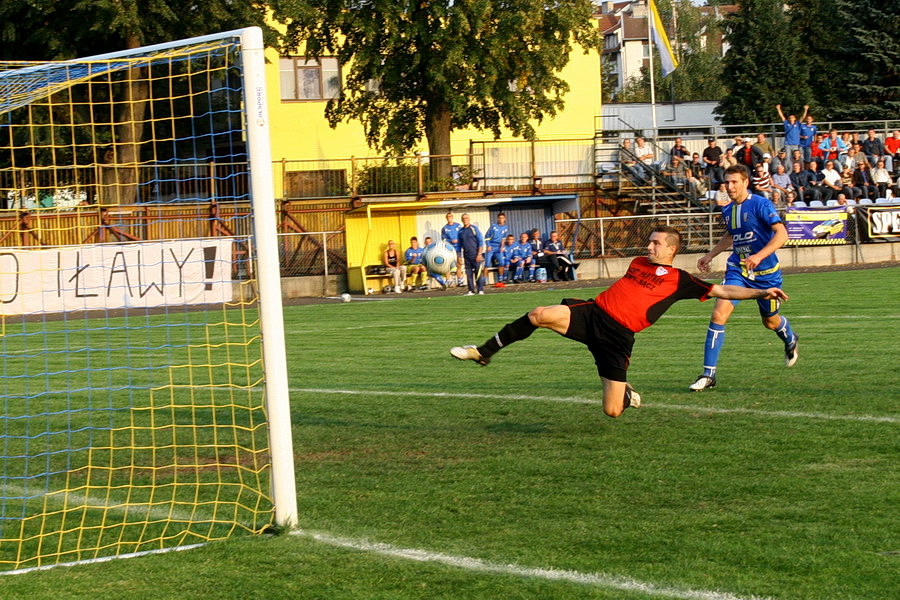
601	580
786	414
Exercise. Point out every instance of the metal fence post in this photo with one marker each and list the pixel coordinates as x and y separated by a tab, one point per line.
325	259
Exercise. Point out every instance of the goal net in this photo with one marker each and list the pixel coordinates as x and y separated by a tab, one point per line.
143	389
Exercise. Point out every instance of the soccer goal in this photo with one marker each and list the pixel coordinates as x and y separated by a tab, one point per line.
144	385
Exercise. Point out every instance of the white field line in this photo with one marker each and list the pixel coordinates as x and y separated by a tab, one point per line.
577	400
102	559
601	580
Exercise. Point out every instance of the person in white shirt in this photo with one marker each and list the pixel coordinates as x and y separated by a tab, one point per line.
881	177
831	180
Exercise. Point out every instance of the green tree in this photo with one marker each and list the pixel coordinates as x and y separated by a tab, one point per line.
761	68
873	55
63	29
824	37
443	65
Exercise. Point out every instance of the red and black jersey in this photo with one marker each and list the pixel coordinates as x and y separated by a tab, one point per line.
647	291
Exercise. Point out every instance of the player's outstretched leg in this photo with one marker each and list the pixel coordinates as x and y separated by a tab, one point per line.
519	329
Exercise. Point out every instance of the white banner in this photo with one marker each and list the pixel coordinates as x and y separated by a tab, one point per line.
110	276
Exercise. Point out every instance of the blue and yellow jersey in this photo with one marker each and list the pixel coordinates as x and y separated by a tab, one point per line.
750	225
450	233
413	256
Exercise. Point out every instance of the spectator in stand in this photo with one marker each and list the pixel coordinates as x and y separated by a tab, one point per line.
781	159
818	180
627	162
763	145
760	182
818	155
862	178
712	158
831	180
791	130
391	260
848	184
892	146
834	148
679	150
883	181
737	143
722	197
791	197
796	157
645	156
854	156
728	159
767	163
414	267
841	199
696	173
803	181
807	137
875	151
781	184
749	156
678	172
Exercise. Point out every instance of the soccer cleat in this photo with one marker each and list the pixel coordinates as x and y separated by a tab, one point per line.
469	353
635	400
481	293
791	354
703	382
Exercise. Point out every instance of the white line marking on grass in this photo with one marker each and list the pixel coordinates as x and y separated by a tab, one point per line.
474	564
102	559
576	400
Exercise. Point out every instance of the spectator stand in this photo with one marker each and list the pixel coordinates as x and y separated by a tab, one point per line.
369	227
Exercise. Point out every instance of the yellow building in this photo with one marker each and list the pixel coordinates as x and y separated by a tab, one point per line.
299	90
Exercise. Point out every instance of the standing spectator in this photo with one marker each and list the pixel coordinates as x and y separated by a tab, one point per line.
807	138
450	234
472	243
781	158
892	146
816	152
679	150
875	151
712	157
414	267
781	184
803	181
882	179
493	239
862	179
850	190
791	130
834	147
391	260
763	145
749	156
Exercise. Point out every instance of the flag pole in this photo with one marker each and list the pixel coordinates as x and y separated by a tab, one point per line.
652	84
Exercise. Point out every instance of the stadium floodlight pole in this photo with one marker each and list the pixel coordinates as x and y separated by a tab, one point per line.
284	489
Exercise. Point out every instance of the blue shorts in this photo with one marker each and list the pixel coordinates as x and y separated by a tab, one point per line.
735	276
493	253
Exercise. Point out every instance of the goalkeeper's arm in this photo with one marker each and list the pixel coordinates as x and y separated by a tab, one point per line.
736	292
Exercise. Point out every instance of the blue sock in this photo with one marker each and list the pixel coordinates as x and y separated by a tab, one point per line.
785	332
715	339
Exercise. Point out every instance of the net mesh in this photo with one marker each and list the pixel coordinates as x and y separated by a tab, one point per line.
132	407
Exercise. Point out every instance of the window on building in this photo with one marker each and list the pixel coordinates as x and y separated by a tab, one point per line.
303	79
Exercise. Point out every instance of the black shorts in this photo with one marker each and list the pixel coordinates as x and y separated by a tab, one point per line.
608	341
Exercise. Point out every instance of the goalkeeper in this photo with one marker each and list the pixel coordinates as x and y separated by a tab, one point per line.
607	324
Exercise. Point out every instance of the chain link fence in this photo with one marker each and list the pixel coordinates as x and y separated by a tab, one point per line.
317	253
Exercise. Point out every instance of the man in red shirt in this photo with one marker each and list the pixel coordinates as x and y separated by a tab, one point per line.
607	324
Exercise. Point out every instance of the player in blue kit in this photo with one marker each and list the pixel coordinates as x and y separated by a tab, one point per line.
450	234
754	232
493	239
415	270
519	258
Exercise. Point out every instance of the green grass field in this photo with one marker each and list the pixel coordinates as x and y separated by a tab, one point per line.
510	482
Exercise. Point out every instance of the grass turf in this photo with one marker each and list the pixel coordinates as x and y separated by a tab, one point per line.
513	464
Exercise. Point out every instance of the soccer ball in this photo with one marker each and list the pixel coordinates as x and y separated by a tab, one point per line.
345	297
439	258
